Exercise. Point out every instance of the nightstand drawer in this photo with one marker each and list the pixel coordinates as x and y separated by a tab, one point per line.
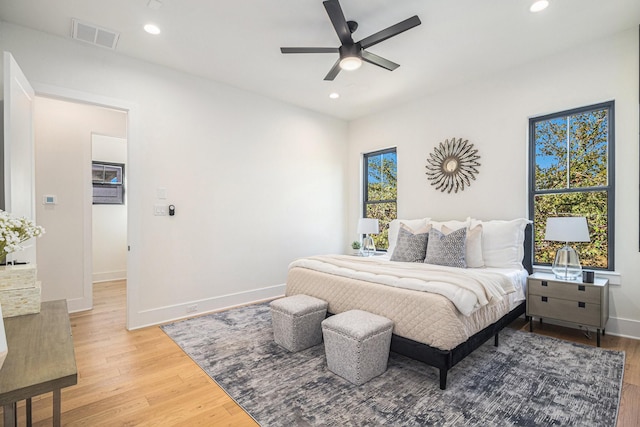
565	290
583	313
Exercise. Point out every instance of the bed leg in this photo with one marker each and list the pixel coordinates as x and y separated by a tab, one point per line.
443	379
495	340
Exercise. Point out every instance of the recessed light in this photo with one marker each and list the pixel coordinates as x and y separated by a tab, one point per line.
152	29
539	5
334	95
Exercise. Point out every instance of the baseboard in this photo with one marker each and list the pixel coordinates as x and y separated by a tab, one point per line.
623	328
156	316
78	304
109	276
615	326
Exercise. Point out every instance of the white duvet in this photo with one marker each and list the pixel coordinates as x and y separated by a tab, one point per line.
467	289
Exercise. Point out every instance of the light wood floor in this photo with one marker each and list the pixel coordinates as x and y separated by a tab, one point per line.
137	378
142	378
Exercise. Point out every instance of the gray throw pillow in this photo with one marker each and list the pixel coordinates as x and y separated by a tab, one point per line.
448	250
410	247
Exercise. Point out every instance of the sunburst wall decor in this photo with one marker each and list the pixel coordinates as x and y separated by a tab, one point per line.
452	165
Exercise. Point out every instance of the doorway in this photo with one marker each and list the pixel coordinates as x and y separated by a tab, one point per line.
64	134
66	271
109	210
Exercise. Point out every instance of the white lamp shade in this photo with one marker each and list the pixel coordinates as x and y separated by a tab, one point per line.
368	226
567	229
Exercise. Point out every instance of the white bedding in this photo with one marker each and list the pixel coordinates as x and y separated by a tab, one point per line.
468	289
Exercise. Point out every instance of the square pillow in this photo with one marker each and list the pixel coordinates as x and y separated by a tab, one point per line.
473	251
394	228
448	250
503	242
411	245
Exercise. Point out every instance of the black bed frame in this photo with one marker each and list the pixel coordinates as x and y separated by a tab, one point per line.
445	360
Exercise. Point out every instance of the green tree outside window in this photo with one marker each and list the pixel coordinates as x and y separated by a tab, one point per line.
380	191
571	175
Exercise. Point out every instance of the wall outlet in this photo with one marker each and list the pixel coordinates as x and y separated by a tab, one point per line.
192	308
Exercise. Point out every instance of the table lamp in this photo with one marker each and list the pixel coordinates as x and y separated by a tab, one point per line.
566	266
368	226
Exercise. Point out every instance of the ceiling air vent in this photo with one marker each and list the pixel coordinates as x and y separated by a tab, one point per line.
95	35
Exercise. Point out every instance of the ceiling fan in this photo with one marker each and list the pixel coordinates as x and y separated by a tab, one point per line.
353	53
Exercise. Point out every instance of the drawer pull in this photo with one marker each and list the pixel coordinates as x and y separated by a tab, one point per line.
544	299
582	288
581	305
544	283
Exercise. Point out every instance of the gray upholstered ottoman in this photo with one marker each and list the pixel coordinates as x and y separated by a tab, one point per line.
357	344
296	321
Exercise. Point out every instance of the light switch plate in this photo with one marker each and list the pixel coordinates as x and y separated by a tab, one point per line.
160	210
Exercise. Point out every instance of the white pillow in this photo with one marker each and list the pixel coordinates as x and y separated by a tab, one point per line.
473	248
394	228
453	225
502	242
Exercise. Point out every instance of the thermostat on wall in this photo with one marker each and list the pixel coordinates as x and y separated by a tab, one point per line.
49	200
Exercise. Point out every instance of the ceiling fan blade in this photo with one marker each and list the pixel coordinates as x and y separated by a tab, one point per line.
338	20
309	49
333	72
393	30
379	61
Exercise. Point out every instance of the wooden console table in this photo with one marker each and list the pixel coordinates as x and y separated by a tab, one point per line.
40	359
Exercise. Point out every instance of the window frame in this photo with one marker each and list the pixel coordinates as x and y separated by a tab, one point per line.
365	182
609	188
119	199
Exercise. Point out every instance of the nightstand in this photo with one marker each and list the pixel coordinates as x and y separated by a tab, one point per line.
584	304
360	254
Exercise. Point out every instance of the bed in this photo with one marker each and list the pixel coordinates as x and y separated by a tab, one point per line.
442	309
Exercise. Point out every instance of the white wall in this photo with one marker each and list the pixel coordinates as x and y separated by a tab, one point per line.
256	182
63	168
493	114
109	225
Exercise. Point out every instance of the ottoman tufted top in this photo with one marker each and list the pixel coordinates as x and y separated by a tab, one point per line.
357	324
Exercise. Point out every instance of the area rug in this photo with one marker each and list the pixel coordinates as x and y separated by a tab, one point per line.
529	380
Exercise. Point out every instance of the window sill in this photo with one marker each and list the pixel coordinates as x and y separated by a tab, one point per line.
614	277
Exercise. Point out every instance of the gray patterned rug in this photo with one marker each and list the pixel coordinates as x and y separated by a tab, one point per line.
529	380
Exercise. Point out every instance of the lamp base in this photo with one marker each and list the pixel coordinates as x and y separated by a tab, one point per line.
368	247
567	264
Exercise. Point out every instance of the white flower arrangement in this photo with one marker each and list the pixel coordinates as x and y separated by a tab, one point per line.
14	231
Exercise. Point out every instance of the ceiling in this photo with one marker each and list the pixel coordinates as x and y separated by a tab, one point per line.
237	42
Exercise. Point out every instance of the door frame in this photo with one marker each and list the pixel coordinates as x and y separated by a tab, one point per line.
18	168
134	214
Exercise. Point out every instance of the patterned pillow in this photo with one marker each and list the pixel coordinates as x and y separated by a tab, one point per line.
448	249
411	245
473	250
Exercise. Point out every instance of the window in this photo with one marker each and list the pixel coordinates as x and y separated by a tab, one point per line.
108	183
572	174
380	191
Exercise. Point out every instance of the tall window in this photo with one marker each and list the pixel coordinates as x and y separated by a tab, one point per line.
380	191
572	174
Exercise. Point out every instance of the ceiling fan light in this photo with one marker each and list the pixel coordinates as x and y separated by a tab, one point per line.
539	5
350	63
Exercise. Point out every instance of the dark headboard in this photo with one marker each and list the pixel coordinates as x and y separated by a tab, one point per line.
527	261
